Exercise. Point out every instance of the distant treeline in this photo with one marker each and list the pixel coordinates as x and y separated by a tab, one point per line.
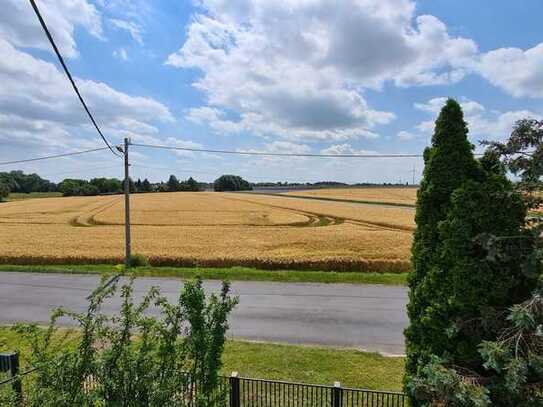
18	181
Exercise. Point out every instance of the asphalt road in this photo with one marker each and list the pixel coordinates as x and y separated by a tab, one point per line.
369	317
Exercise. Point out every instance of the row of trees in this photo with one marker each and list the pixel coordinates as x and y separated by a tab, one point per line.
476	324
17	181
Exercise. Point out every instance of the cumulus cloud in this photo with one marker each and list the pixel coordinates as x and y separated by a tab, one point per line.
297	69
518	72
19	25
39	108
482	123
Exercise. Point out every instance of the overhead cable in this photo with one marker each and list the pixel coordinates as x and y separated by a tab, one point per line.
55	48
47	157
264	153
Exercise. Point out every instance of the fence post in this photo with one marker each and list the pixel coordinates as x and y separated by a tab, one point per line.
234	390
10	362
337	395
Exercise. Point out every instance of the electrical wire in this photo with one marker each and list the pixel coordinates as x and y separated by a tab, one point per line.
47	157
44	26
263	153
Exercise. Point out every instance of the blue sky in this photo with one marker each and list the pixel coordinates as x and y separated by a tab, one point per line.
284	76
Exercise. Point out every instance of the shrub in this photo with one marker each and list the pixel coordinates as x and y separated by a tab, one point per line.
134	358
138	260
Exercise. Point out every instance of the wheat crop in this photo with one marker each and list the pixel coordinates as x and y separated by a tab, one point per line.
212	229
392	195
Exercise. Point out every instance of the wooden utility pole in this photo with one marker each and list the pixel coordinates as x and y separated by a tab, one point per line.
127	204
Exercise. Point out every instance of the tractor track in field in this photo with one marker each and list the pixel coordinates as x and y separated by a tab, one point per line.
86	219
336	220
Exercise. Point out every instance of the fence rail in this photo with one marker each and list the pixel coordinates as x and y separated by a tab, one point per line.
235	391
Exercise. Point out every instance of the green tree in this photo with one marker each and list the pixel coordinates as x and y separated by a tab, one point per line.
4	191
146	186
173	184
231	183
193	185
449	162
488	260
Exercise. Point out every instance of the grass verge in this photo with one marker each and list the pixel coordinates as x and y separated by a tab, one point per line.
230	273
307	364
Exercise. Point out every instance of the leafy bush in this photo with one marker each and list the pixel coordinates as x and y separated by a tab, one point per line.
134	358
231	183
138	260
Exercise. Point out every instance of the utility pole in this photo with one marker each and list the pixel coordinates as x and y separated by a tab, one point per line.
413	174
127	205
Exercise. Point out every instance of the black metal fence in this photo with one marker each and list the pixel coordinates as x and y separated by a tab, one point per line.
235	391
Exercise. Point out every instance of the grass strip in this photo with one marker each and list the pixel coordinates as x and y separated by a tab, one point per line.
298	363
230	273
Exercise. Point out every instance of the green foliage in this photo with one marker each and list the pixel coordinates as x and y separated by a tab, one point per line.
173	184
448	164
133	358
107	185
438	385
18	181
4	191
488	259
138	260
146	186
231	183
466	281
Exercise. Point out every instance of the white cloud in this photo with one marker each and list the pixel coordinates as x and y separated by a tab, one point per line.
131	27
482	123
19	25
121	54
518	72
40	110
296	69
344	149
469	107
406	135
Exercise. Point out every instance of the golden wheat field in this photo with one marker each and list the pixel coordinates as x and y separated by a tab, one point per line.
393	195
209	228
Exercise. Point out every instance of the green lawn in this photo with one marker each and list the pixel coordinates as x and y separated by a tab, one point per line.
308	364
232	273
15	196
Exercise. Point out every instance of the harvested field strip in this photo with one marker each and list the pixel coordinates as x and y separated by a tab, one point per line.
323	198
395	196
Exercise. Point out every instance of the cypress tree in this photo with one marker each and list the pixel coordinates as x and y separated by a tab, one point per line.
449	162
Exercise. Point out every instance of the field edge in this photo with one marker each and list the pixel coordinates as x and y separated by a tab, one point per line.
220	273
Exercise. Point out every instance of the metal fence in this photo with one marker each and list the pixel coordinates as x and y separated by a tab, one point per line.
247	392
235	391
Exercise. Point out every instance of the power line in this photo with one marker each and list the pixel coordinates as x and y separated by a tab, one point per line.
47	157
44	26
263	153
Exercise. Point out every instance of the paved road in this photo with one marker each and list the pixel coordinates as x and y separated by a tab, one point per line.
369	317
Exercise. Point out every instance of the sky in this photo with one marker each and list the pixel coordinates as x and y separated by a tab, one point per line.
302	76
